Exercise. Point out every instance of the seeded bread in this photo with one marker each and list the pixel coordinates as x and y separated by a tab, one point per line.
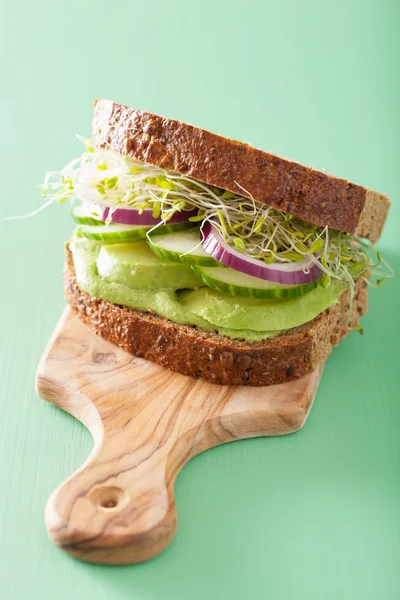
307	193
200	353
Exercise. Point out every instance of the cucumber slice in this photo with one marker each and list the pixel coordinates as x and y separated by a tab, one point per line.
127	233
83	216
113	233
233	282
135	266
182	246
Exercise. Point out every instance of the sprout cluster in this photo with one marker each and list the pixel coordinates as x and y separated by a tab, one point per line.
102	177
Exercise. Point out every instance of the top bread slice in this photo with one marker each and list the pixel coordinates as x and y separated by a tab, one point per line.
307	193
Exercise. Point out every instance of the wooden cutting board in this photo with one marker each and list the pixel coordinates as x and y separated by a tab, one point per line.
147	422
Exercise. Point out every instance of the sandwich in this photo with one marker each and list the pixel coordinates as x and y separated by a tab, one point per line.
211	257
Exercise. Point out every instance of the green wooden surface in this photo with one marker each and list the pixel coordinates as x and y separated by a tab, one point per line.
313	515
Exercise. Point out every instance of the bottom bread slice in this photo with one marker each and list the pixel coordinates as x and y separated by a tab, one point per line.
201	353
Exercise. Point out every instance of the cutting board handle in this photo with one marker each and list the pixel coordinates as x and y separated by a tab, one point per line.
119	504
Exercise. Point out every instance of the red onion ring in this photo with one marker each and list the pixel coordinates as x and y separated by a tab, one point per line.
131	216
292	273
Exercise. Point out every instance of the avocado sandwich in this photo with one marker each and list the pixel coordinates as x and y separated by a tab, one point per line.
209	256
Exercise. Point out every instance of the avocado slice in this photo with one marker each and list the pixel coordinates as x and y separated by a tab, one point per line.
275	314
136	266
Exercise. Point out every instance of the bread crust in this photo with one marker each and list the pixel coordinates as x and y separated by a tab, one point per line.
200	353
293	188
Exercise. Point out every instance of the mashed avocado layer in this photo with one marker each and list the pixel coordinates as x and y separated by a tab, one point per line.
249	319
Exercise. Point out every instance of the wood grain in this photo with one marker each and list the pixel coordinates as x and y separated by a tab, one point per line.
147	422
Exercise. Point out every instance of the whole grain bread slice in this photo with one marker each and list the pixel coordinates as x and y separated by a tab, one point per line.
200	353
292	188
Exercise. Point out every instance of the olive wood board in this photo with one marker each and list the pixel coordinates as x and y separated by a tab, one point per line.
147	422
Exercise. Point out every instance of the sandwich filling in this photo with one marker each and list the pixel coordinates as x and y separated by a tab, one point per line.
157	241
127	275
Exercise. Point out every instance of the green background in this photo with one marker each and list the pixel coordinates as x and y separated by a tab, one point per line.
312	515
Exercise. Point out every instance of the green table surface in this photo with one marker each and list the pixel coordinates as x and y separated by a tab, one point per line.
312	515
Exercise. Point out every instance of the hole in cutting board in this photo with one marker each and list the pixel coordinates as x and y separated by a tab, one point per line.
109	497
